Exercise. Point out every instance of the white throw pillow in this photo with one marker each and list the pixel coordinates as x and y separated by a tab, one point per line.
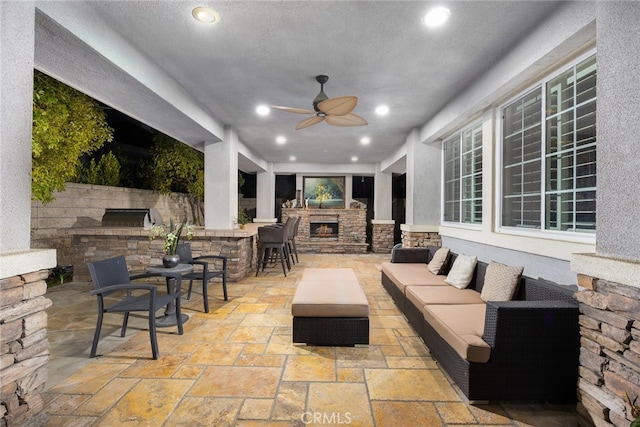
438	260
461	272
500	282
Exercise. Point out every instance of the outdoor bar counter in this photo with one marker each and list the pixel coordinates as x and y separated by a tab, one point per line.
97	243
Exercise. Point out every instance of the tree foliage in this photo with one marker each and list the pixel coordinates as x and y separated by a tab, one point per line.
177	167
66	125
106	171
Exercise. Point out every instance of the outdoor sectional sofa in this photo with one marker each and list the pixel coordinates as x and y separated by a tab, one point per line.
525	348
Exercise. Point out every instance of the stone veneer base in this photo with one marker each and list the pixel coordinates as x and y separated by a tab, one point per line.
24	347
609	339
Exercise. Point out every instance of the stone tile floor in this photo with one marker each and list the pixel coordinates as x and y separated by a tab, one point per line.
237	366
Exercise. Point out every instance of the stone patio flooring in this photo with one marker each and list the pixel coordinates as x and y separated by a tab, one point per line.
237	366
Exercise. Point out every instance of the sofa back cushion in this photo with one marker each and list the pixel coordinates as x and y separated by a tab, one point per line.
500	282
461	271
439	260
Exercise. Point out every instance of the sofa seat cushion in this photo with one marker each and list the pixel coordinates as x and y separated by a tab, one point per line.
408	274
421	295
461	326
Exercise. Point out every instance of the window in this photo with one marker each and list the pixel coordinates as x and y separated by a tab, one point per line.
463	176
549	154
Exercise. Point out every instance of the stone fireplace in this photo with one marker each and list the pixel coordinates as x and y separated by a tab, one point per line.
330	230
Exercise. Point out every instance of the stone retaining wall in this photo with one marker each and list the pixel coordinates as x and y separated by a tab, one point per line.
83	205
24	348
609	352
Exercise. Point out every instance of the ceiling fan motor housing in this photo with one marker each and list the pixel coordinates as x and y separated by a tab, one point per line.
322	79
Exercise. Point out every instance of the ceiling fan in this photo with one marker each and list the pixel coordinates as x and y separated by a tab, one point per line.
334	111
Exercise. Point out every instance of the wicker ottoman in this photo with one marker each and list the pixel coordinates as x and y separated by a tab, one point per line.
330	308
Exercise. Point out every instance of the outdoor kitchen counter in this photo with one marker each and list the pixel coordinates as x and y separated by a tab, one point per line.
199	232
97	243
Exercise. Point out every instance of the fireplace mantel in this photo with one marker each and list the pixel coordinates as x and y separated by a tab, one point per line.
351	236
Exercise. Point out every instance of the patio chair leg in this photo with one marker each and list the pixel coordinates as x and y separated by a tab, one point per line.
285	253
96	336
152	335
205	296
260	260
189	291
123	332
282	257
295	250
224	287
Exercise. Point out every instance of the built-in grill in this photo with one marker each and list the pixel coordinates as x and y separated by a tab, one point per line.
131	217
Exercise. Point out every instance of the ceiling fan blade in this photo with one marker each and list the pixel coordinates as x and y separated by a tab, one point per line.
309	122
292	110
350	119
339	106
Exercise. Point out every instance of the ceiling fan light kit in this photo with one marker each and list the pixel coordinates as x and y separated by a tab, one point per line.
333	111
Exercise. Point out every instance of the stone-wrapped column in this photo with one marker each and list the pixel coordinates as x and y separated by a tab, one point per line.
416	237
382	237
609	352
24	348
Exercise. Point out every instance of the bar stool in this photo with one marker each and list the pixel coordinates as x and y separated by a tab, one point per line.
273	241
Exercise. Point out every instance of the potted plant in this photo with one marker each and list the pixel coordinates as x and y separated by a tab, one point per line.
171	239
243	218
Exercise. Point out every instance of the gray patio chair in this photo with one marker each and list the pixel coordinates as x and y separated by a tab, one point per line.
212	266
110	276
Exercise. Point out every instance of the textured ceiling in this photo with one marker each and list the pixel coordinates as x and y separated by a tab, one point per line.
269	52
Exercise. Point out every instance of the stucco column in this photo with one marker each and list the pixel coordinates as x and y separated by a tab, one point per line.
618	124
221	181
382	224
266	195
382	195
423	192
16	94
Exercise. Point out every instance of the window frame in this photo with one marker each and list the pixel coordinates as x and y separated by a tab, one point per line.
459	135
579	236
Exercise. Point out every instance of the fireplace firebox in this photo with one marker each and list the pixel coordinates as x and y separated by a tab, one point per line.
323	229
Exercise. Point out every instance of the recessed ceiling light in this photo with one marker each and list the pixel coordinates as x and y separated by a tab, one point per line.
292	158
436	17
365	140
205	15
263	110
382	110
354	159
281	139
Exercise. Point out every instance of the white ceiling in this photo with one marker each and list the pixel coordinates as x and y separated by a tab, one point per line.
269	52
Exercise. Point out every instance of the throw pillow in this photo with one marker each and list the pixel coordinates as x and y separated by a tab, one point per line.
500	282
439	259
461	272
